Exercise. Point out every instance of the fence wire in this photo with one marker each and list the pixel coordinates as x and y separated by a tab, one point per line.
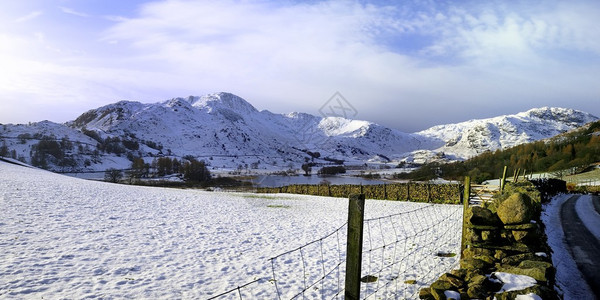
406	251
402	253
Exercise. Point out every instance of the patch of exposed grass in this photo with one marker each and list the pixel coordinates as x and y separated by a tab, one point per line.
445	254
278	206
256	196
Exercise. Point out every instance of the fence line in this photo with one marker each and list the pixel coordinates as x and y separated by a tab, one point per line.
327	267
411	246
238	289
402	252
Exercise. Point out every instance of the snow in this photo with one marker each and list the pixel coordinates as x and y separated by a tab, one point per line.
568	278
452	295
63	237
588	214
513	282
530	296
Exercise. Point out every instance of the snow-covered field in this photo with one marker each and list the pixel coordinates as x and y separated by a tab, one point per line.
63	237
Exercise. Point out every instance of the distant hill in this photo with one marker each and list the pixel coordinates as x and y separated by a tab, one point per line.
564	154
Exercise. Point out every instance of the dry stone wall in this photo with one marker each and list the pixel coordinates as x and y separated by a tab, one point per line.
501	237
417	192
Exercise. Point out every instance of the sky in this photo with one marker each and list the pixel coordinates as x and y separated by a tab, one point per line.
408	64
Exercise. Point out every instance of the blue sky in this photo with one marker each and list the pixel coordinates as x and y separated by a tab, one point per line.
405	64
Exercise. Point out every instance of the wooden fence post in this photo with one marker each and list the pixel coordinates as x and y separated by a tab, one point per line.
503	180
466	197
356	215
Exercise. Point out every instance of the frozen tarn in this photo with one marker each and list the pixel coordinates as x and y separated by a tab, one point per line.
63	237
568	277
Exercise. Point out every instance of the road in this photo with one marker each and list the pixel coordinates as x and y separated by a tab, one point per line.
583	244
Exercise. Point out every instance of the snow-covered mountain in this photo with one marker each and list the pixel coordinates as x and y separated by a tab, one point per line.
228	132
225	125
474	137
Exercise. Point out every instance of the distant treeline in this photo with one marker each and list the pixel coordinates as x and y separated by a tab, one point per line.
571	152
417	192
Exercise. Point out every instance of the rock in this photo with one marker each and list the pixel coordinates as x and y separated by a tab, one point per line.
518	247
489	235
514	260
473	236
476	292
500	255
478	280
521	235
472	274
473	263
527	226
460	273
539	273
516	209
453	280
488	259
478	215
506	235
438	288
472	251
535	264
425	293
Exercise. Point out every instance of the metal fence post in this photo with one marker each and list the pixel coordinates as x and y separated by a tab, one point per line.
356	215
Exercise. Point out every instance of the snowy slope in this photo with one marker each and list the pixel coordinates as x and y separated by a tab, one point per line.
62	237
473	137
228	132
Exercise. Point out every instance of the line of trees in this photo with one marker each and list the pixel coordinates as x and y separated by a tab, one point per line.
190	169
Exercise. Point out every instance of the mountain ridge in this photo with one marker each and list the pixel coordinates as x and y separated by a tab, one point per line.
226	126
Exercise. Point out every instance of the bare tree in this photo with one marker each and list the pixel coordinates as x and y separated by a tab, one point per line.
113	175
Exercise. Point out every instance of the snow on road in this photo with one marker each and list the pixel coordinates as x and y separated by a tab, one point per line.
62	237
588	214
568	277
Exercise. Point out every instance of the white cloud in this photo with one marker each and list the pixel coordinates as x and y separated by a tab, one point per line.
494	34
71	11
32	15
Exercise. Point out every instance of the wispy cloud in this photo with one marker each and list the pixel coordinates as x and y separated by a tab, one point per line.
71	11
496	34
32	15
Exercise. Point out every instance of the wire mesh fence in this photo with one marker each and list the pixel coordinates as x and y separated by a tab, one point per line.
402	253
